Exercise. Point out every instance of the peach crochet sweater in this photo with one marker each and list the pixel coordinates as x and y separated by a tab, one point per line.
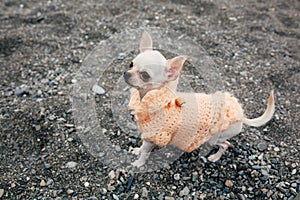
185	120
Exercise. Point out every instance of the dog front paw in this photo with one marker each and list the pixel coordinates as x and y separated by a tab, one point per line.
135	151
138	163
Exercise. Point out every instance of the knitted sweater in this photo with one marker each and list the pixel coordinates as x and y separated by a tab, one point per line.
185	120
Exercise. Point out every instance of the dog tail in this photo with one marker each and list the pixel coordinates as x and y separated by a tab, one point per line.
267	116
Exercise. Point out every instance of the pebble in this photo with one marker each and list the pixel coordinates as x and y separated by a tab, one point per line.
264	172
112	174
228	183
69	191
22	90
49	181
71	164
37	127
103	191
256	167
184	192
144	192
1	192
43	183
92	198
136	196
186	178
86	184
111	188
177	177
115	197
169	198
264	190
276	149
47	166
155	176
294	171
262	146
98	90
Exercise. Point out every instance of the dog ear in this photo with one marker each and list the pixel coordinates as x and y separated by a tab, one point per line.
174	67
146	42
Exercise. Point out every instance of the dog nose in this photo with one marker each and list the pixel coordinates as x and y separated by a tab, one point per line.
127	75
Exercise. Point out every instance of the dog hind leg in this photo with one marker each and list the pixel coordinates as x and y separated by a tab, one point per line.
221	140
222	148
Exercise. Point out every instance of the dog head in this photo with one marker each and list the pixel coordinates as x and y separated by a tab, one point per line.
151	70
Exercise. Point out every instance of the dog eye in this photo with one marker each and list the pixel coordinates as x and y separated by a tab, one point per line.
131	65
145	76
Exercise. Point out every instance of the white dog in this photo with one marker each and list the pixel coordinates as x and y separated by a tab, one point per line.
185	120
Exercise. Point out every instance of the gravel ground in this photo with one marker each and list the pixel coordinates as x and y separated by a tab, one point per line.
256	45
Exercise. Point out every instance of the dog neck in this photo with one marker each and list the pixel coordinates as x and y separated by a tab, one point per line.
142	93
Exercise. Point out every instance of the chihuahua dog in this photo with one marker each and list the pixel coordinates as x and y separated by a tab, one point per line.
185	120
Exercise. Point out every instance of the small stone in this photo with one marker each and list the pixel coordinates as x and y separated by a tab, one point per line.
112	174
194	177
186	178
71	164
184	192
276	149
1	192
155	176
264	172
90	198
294	171
22	90
52	117
169	198
136	196
115	197
69	191
228	183
118	148
86	184
103	191
262	146
69	125
241	197
47	166
38	127
256	167
177	177
49	181
269	193
43	183
232	19
98	90
111	188
244	188
144	192
264	190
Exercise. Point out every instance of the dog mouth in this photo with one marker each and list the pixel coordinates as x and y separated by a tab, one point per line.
129	83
